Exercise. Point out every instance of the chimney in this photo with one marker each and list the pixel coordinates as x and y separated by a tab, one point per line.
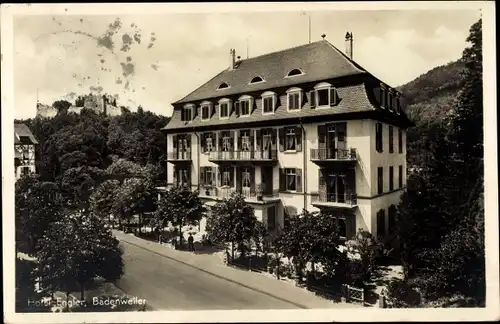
232	54
348	44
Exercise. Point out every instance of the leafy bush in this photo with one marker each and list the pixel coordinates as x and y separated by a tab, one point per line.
401	294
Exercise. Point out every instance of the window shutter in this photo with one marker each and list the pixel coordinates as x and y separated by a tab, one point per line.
202	176
188	170
321	136
238	139
298	135
188	142
282	180
377	93
211	109
214	176
219	138
174	141
258	136
253	105
273	132
252	180
231	177
195	112
238	178
203	143
175	175
182	114
382	97
282	139
231	141
298	179
312	96
219	176
333	97
237	108
321	179
252	145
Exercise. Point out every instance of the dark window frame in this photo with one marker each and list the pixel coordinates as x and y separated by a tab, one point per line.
380	180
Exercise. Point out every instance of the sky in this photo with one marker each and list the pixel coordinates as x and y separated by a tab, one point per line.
154	60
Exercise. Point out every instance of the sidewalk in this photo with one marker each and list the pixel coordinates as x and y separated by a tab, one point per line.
213	265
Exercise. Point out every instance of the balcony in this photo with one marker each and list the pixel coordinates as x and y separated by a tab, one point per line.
323	155
333	200
179	156
244	156
219	193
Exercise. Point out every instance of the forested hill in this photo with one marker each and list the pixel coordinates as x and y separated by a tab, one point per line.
429	99
430	96
88	139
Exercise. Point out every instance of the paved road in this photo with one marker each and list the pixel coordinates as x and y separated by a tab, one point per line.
170	285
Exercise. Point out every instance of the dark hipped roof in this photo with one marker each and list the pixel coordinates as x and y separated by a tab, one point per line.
319	61
20	131
353	99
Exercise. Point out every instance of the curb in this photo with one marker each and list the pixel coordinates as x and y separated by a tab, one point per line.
218	276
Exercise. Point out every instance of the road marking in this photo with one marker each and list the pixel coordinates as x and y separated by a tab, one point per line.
218	276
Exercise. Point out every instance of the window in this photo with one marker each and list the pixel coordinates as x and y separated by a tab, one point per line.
245	140
381	223
294	72
226	176
245	107
400	140
391	139
398	105
226	142
187	113
25	170
382	97
323	97
378	137
294	100
391	178
389	100
290	139
380	180
268	104
205	111
400	179
291	183
246	177
257	79
342	227
207	176
207	142
223	85
224	110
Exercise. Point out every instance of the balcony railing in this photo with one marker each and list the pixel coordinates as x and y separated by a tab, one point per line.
179	156
323	154
226	192
335	199
268	155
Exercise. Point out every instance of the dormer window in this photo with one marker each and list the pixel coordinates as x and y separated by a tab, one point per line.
187	113
323	95
244	105
224	108
294	72
257	79
398	105
390	100
294	99
268	102
206	110
383	97
223	85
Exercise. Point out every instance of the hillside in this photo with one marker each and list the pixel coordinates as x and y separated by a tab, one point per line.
430	96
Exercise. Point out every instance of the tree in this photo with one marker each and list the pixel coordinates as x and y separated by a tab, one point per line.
102	199
136	196
38	204
312	237
75	250
78	184
232	221
62	106
179	206
368	249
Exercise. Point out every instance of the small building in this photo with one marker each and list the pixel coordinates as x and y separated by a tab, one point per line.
24	150
302	128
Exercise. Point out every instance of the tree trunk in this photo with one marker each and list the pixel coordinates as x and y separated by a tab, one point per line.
180	235
82	291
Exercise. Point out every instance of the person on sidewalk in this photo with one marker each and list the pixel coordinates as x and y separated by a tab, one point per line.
191	242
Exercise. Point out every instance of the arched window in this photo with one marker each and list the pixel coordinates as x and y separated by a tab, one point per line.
294	99
294	72
223	85
257	79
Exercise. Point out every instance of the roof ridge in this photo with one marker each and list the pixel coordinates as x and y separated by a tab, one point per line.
351	61
282	50
177	101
